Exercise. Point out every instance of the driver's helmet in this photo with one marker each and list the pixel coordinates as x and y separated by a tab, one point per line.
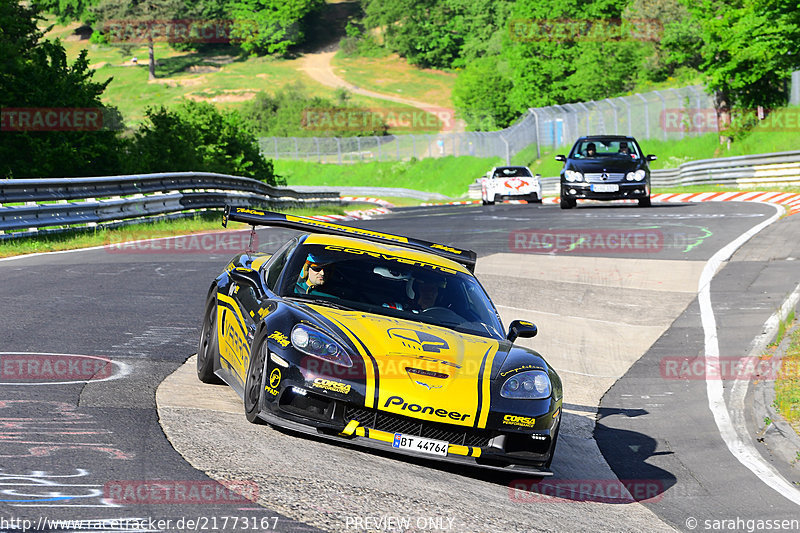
423	277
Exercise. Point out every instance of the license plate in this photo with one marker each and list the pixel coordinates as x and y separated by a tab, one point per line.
419	444
605	187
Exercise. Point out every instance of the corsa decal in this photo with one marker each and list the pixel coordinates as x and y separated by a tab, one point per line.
522	421
233	346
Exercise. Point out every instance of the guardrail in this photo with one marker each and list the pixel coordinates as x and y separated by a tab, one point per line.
779	168
57	204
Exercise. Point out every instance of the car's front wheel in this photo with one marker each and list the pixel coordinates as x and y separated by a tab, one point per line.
208	350
553	447
253	384
644	202
567	203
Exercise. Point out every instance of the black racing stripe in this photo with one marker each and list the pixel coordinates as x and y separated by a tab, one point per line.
480	388
372	360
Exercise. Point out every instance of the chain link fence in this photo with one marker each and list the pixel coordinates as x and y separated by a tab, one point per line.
665	114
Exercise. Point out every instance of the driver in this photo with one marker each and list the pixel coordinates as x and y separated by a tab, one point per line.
423	291
316	272
591	150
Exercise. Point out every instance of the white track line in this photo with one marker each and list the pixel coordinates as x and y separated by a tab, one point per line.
734	435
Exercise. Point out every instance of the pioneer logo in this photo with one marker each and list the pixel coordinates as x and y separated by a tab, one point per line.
426	410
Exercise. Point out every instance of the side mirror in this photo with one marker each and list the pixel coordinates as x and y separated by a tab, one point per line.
247	277
561	157
521	328
651	157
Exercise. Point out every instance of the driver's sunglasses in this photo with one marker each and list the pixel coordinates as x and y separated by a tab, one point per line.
318	268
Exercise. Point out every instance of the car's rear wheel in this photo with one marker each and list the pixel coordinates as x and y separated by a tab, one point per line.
644	202
208	350
253	384
567	203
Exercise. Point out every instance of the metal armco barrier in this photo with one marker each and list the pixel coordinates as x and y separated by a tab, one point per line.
780	168
62	203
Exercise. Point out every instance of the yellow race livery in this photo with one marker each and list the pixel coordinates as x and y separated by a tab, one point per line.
380	340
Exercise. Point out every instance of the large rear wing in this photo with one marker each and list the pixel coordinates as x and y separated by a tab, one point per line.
257	217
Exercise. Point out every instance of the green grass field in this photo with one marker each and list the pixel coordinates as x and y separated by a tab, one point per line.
393	75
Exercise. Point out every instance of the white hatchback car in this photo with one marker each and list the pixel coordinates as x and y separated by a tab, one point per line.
510	183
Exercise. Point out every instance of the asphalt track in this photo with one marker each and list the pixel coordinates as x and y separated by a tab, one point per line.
599	309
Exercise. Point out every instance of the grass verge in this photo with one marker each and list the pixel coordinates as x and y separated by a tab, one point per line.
787	386
450	176
71	240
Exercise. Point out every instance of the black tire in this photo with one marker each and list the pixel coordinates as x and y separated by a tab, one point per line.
645	202
566	203
553	448
208	349
253	386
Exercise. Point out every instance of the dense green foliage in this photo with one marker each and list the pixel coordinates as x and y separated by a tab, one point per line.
271	26
555	52
36	79
35	75
292	113
196	136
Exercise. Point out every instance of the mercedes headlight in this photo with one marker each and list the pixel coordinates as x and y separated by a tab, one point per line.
635	176
529	385
317	344
573	175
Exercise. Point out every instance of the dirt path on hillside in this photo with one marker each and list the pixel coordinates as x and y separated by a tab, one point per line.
318	66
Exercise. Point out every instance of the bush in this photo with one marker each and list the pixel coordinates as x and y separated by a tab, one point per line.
198	137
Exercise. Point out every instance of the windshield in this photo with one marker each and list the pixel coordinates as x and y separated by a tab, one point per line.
601	148
512	172
390	286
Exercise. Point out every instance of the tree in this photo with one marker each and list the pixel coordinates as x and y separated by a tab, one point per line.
197	137
271	26
749	51
132	20
37	80
67	10
481	95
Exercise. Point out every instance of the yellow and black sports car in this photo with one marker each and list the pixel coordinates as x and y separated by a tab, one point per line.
379	340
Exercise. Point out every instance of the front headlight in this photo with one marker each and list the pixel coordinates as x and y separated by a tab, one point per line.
320	345
639	175
529	385
573	175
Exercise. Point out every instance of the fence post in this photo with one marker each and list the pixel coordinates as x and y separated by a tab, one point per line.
663	112
378	142
339	149
319	154
646	116
536	119
360	155
296	149
616	116
508	154
276	146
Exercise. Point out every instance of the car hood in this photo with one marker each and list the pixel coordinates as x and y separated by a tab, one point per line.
611	164
422	370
